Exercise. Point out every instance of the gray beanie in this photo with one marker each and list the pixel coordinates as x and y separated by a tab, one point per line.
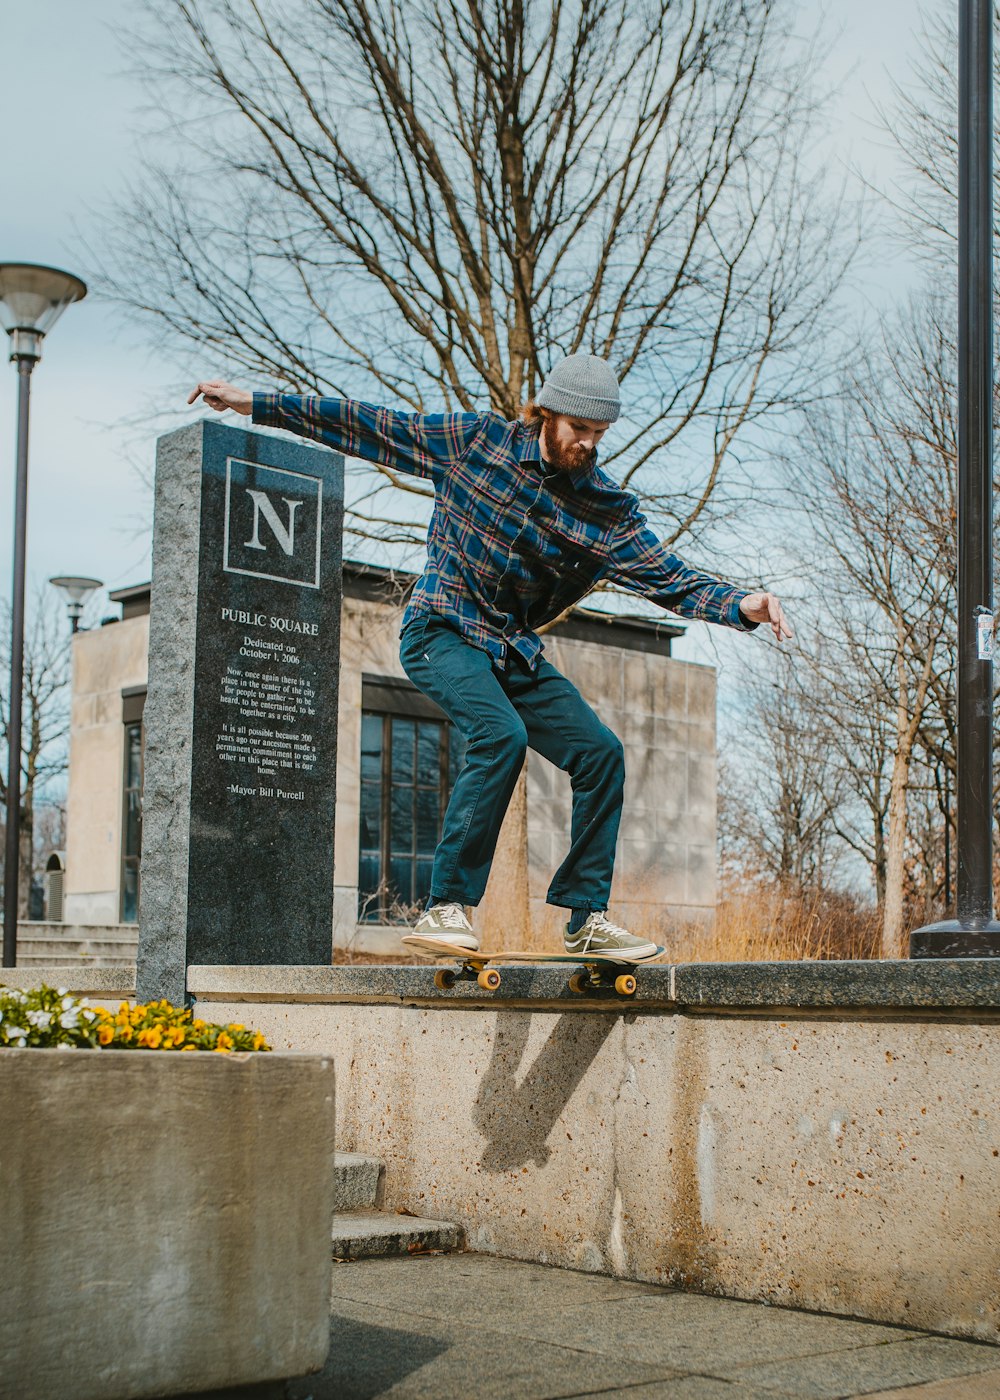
584	386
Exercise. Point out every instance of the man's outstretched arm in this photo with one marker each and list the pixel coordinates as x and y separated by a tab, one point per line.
641	563
421	444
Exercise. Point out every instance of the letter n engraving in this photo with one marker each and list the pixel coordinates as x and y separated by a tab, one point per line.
263	507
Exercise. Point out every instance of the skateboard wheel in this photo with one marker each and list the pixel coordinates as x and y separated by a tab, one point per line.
444	978
625	985
578	982
489	978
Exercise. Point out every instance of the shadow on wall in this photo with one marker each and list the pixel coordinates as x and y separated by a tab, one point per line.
517	1118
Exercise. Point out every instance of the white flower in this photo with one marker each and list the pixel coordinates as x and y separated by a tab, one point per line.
67	1002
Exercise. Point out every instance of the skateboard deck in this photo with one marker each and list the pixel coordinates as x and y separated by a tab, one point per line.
594	969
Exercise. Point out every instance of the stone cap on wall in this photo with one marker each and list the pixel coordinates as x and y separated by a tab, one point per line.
932	988
936	987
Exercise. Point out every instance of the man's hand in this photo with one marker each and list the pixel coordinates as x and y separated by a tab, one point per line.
220	396
764	607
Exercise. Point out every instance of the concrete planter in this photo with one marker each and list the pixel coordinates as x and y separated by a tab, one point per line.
164	1221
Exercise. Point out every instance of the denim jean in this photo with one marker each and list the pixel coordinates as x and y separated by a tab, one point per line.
501	715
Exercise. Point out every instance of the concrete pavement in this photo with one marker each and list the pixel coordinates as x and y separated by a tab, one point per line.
474	1327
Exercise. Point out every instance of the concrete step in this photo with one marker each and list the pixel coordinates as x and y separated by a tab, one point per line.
380	1233
28	958
358	1182
69	957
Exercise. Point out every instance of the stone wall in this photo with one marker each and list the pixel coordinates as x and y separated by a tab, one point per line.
106	661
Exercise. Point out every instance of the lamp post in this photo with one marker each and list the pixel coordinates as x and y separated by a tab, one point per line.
32	298
975	933
75	592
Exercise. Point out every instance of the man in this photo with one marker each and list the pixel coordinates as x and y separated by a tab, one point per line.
524	525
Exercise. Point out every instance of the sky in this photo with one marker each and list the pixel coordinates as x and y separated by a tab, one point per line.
70	111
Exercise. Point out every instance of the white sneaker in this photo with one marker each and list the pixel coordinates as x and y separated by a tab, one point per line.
600	935
447	922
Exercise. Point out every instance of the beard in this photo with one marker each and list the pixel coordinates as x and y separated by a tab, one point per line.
564	459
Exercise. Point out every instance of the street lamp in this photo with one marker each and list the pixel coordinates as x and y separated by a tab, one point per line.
75	591
32	299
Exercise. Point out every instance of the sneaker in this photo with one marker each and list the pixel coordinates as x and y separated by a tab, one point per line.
447	922
600	935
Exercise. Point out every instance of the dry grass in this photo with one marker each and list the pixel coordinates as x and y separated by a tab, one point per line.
765	925
752	924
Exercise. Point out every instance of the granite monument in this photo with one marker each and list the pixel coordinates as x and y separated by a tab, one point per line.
241	712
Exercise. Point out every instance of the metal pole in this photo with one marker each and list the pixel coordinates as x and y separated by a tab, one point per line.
25	364
974	933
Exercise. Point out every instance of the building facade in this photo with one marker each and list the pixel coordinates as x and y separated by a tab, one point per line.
397	758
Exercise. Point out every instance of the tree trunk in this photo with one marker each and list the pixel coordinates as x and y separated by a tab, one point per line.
892	910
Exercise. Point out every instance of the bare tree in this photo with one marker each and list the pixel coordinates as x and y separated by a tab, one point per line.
885	520
45	722
429	201
777	810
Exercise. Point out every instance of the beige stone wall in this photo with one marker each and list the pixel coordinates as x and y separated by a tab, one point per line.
662	709
105	661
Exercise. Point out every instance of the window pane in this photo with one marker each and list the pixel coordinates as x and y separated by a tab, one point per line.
130	893
133	823
133	756
403	736
371	816
422	882
428	803
371	748
369	905
401	831
401	880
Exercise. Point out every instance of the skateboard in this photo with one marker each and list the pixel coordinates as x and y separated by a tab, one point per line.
596	970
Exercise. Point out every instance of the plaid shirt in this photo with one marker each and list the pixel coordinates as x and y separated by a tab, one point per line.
512	541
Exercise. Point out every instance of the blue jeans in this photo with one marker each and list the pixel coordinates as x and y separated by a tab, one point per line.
501	715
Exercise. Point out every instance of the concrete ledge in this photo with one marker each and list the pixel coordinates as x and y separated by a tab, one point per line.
923	988
112	982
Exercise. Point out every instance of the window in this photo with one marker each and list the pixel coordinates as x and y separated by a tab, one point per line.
409	762
132	706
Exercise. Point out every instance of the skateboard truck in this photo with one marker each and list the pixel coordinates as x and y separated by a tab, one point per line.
593	978
471	969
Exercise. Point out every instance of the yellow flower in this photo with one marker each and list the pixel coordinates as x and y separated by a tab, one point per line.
197	1025
175	1035
237	1026
100	1011
259	1043
188	1047
224	1042
105	1034
150	1037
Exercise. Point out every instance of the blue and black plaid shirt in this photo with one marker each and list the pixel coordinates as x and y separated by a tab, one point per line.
512	541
